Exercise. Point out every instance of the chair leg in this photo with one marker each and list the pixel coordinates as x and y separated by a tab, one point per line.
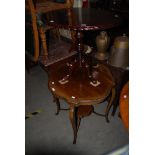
44	43
116	102
110	104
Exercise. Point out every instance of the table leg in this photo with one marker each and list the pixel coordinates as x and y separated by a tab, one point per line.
58	105
72	117
110	104
78	123
116	102
56	99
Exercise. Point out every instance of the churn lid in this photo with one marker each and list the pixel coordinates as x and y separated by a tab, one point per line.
122	42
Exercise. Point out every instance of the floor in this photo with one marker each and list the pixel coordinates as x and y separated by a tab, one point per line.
50	134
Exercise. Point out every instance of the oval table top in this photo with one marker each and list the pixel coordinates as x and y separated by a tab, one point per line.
78	89
84	19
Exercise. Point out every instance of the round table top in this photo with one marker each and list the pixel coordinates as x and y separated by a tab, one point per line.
124	105
84	19
78	89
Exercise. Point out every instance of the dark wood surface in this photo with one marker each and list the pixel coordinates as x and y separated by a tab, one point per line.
84	19
78	91
80	19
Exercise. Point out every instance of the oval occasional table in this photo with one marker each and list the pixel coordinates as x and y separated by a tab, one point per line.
77	90
75	79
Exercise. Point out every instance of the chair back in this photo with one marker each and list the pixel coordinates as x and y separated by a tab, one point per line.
33	7
30	7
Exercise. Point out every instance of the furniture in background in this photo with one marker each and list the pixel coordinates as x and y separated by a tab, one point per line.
49	49
115	5
118	63
78	91
120	75
83	20
34	43
99	4
123	11
119	5
124	105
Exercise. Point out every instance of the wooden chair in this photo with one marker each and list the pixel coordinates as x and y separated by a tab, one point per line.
42	51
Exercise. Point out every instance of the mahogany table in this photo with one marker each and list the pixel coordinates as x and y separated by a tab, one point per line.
76	80
79	20
78	91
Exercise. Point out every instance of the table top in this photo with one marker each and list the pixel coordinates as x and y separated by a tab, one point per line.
124	105
78	89
84	19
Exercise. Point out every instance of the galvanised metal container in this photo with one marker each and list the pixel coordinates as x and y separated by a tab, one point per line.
119	55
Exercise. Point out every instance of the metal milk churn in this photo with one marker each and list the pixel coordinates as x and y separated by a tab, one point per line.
119	55
102	42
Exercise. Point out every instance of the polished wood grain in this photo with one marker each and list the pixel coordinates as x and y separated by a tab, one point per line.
84	111
84	19
124	105
79	86
79	20
78	91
